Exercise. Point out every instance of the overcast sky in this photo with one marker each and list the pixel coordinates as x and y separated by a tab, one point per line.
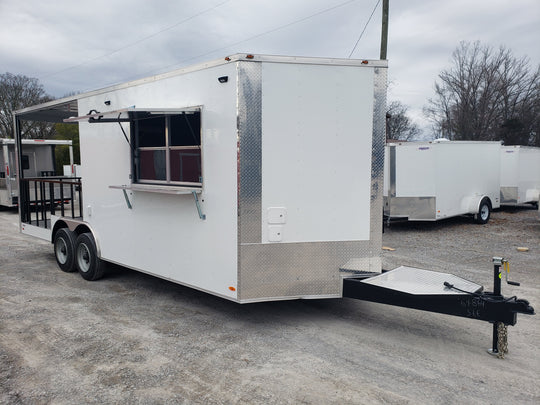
73	46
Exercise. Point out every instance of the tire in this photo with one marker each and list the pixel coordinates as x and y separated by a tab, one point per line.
484	212
64	249
89	265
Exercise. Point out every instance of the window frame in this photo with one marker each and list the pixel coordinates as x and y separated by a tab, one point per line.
167	148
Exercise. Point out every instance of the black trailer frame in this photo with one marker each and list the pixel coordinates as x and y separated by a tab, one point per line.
443	293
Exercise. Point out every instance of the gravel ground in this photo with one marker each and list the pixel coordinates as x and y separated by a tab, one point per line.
132	338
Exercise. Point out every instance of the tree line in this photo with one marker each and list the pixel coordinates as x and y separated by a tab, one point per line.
486	94
18	92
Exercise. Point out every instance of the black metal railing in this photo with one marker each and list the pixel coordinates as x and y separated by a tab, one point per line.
41	197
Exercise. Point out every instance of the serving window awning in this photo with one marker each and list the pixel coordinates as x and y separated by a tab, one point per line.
52	111
130	114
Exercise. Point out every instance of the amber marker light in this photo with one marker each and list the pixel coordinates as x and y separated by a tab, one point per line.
365	62
232	288
249	56
227	59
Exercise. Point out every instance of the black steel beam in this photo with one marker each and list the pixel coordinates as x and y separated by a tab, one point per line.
484	306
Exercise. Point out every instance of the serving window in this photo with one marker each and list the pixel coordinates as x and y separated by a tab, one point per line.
167	148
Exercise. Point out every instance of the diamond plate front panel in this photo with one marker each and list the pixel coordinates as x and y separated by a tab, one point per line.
300	270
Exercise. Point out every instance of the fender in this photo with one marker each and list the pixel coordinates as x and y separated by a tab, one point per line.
74	224
471	204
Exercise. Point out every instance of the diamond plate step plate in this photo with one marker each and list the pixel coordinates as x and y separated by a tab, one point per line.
422	282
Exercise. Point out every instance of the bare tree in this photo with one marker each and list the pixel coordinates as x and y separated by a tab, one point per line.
487	94
17	92
398	124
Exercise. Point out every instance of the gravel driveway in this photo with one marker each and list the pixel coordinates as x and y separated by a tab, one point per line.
132	338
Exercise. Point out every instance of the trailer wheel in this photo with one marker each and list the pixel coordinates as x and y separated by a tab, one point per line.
64	249
484	212
90	266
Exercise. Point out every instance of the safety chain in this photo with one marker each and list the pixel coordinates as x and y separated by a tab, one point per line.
502	341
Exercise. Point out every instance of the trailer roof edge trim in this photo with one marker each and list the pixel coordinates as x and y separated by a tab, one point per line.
60	109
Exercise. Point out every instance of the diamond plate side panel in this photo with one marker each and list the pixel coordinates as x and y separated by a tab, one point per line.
509	195
377	161
249	152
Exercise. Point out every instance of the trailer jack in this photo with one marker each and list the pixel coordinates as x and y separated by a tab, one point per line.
446	294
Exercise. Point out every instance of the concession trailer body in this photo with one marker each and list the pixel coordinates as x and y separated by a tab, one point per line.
429	181
520	175
250	178
253	178
37	160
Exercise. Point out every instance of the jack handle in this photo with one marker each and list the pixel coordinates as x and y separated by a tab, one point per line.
506	267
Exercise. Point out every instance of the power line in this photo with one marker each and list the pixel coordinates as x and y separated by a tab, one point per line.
129	45
252	37
365	26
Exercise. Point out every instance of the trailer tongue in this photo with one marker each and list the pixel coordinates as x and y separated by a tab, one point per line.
446	294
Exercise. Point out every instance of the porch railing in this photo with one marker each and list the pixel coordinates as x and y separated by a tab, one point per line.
41	197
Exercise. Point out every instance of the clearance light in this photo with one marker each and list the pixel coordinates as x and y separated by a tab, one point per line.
249	56
365	62
227	59
232	288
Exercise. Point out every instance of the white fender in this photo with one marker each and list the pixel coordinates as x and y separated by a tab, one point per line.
471	204
532	195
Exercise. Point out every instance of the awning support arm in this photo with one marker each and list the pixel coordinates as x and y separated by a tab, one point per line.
124	132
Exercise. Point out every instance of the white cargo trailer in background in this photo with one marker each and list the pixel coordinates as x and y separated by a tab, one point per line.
429	181
520	175
37	160
72	170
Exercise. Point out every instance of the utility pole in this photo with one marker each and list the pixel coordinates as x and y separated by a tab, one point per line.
384	33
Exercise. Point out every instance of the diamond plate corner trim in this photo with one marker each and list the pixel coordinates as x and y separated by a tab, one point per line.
249	137
377	160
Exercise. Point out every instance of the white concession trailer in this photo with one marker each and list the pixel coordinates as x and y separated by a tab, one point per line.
520	175
253	178
429	181
37	160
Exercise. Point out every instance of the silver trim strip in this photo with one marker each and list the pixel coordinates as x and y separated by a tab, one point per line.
249	152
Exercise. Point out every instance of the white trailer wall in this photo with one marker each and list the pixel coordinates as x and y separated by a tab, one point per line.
520	174
466	171
163	233
316	126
